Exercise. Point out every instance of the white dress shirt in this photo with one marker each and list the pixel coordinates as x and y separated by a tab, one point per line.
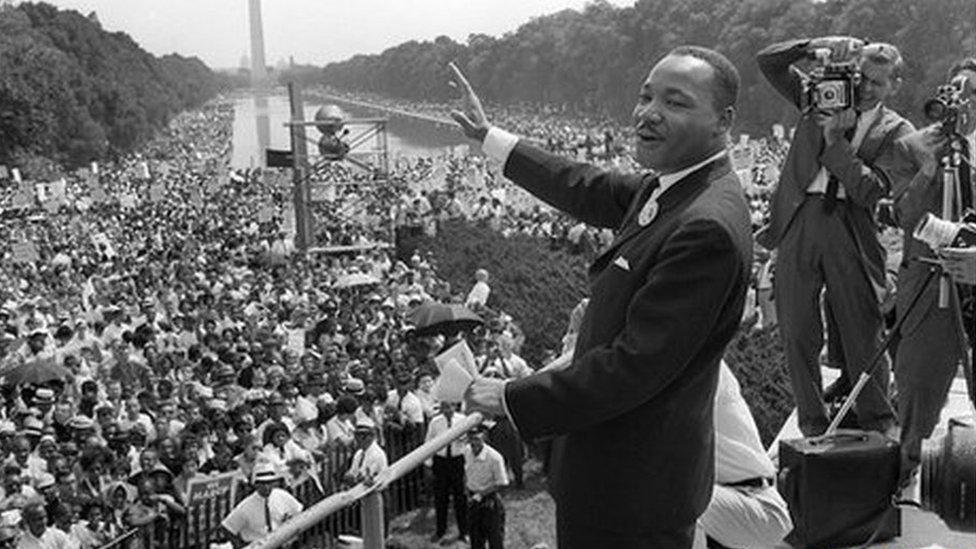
438	425
249	519
368	462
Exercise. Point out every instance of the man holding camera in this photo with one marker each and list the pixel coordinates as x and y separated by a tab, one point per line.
822	216
933	337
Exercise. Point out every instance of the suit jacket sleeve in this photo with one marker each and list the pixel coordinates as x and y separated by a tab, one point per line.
596	197
863	183
684	295
913	191
776	64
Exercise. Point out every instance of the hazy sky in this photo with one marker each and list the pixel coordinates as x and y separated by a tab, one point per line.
314	31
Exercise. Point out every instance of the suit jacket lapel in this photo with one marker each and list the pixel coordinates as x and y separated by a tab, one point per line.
876	135
682	190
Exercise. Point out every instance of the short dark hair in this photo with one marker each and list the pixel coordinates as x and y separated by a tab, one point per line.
967	64
726	91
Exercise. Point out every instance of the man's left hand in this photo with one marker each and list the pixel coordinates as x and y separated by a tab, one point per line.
835	124
960	264
485	395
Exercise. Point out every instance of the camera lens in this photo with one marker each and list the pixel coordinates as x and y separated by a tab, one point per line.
948	469
829	94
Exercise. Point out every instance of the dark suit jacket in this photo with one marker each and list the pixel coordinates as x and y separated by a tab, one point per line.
914	195
862	172
633	413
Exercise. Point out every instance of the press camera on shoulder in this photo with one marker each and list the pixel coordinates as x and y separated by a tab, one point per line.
947	107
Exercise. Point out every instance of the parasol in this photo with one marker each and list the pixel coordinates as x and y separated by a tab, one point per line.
36	372
433	318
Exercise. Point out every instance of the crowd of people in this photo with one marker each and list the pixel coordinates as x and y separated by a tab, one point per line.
157	328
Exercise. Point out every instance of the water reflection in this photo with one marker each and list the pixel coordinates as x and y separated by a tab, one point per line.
405	135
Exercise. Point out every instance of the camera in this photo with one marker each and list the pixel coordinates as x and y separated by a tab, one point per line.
948	470
829	86
946	107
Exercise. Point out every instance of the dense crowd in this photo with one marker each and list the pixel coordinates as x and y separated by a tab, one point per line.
157	327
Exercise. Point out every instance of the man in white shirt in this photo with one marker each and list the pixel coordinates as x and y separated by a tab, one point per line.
746	510
484	472
448	470
369	458
409	409
478	296
262	512
37	535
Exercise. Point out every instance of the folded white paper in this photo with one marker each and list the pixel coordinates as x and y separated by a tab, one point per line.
458	370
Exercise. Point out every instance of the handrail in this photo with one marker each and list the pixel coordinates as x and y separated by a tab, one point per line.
318	512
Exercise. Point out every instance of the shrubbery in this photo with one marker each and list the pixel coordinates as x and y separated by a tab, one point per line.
539	287
72	92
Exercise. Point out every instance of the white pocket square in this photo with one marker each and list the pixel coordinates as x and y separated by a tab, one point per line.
621	262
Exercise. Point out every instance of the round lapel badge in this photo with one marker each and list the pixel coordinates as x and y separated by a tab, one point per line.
647	213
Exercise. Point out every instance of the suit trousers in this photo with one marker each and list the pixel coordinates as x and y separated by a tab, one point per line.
487	523
928	358
819	252
448	485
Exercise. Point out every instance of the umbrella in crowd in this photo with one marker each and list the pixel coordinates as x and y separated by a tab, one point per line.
36	372
434	318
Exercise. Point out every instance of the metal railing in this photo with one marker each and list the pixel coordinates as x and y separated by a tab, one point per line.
370	495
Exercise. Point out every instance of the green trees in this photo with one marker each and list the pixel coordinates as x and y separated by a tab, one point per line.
595	59
73	92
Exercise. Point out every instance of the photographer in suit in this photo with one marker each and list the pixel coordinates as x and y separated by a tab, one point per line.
933	338
822	220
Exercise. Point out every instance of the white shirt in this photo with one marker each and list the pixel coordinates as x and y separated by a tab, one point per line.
368	462
479	294
484	471
438	425
248	520
739	453
864	121
410	405
52	538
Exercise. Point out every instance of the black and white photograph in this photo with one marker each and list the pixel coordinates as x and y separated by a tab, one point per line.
487	274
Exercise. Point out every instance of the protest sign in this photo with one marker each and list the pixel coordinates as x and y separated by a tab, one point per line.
25	252
203	489
458	370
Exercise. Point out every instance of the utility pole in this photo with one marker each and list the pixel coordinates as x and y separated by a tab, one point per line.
300	190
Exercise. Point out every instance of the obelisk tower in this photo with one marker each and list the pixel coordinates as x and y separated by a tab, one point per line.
259	81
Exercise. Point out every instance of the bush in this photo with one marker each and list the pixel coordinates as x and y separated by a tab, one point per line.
539	287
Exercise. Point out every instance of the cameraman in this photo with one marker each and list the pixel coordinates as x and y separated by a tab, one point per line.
933	339
822	221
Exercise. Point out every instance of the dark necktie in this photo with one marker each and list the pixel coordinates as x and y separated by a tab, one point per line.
833	184
267	512
450	443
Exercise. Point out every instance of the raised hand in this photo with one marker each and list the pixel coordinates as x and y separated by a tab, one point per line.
472	118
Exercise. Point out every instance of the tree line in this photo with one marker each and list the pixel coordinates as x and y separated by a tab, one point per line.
72	92
594	60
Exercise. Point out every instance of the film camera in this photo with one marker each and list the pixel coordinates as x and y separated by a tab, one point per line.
947	107
829	86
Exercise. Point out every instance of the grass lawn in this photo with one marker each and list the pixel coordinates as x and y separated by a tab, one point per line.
530	518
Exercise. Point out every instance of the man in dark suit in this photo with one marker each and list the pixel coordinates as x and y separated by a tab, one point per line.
632	460
933	338
822	222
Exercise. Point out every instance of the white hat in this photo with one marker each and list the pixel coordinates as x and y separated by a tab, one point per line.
266	472
365	424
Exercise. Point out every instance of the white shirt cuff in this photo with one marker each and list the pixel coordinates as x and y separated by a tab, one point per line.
498	144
